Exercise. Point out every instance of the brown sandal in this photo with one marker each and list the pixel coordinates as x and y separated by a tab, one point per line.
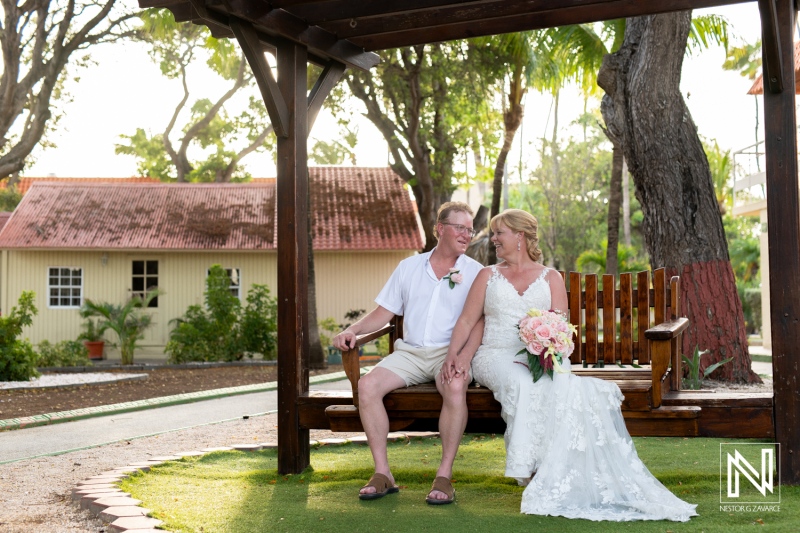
383	486
443	485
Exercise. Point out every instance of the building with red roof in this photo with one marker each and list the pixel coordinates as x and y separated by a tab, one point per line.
69	240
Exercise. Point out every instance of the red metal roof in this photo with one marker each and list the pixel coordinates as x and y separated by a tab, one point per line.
4	216
25	183
354	209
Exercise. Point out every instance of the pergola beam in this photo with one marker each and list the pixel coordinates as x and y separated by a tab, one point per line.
783	227
273	99
271	25
330	76
771	46
491	18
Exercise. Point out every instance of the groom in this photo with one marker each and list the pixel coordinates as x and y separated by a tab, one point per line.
429	291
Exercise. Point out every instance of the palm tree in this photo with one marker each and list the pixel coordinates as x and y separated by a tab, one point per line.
127	321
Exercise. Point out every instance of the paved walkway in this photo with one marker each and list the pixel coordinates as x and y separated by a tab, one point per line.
100	428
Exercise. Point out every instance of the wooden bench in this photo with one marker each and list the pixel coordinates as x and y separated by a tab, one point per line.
644	366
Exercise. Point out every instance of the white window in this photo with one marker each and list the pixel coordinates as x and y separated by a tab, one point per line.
144	279
65	287
235	276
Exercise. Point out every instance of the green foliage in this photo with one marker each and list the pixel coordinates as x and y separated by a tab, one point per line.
128	321
64	353
93	331
568	194
750	296
9	199
595	261
151	158
259	322
337	151
328	328
222	330
17	358
693	380
382	344
720	164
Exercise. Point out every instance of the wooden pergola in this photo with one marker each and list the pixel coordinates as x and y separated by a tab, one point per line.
340	34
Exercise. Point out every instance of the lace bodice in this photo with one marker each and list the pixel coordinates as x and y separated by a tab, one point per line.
504	307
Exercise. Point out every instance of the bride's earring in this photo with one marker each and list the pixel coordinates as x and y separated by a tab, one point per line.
519	244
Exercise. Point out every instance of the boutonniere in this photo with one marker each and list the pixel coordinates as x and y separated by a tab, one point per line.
454	277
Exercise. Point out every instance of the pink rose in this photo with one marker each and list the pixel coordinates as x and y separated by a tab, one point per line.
456	278
562	327
453	270
543	331
535	347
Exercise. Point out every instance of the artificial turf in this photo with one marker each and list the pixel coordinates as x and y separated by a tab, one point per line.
242	492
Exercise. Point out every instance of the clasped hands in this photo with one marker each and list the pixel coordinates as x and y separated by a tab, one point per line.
454	368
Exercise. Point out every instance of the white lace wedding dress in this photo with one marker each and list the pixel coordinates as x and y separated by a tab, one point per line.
569	430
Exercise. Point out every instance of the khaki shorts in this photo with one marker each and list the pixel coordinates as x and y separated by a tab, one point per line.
415	364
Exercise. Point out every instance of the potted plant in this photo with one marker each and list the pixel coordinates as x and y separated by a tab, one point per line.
127	321
92	338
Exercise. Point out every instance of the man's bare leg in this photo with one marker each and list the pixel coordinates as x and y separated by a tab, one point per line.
371	390
452	423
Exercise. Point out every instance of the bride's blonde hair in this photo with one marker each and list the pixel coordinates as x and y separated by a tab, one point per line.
518	220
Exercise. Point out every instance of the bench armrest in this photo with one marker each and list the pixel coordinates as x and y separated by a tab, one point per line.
665	350
667	330
350	360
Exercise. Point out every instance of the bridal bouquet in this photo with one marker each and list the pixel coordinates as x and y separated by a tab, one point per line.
547	336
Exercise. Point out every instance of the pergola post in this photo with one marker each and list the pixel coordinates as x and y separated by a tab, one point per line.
783	225
292	194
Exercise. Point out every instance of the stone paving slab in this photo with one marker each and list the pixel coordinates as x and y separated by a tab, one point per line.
99	505
111	514
128	523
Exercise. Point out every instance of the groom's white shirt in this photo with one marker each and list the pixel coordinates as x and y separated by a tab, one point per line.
430	308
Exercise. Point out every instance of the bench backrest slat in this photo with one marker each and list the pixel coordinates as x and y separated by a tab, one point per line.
609	319
590	296
626	318
643	314
575	312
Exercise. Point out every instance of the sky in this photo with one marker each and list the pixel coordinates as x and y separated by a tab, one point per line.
124	90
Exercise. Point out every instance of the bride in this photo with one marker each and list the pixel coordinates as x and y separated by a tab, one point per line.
565	437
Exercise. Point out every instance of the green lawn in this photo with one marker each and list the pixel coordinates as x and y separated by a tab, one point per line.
242	492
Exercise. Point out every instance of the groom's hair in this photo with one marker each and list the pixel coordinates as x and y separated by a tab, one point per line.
451	207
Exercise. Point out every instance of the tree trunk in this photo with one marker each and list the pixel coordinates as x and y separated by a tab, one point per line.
512	118
316	356
644	110
614	201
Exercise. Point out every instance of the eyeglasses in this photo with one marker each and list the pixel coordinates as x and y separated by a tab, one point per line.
462	229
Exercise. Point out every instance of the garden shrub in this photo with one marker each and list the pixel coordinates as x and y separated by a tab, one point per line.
17	357
64	353
222	330
259	323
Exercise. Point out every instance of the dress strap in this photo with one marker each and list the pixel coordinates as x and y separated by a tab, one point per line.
495	274
543	274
